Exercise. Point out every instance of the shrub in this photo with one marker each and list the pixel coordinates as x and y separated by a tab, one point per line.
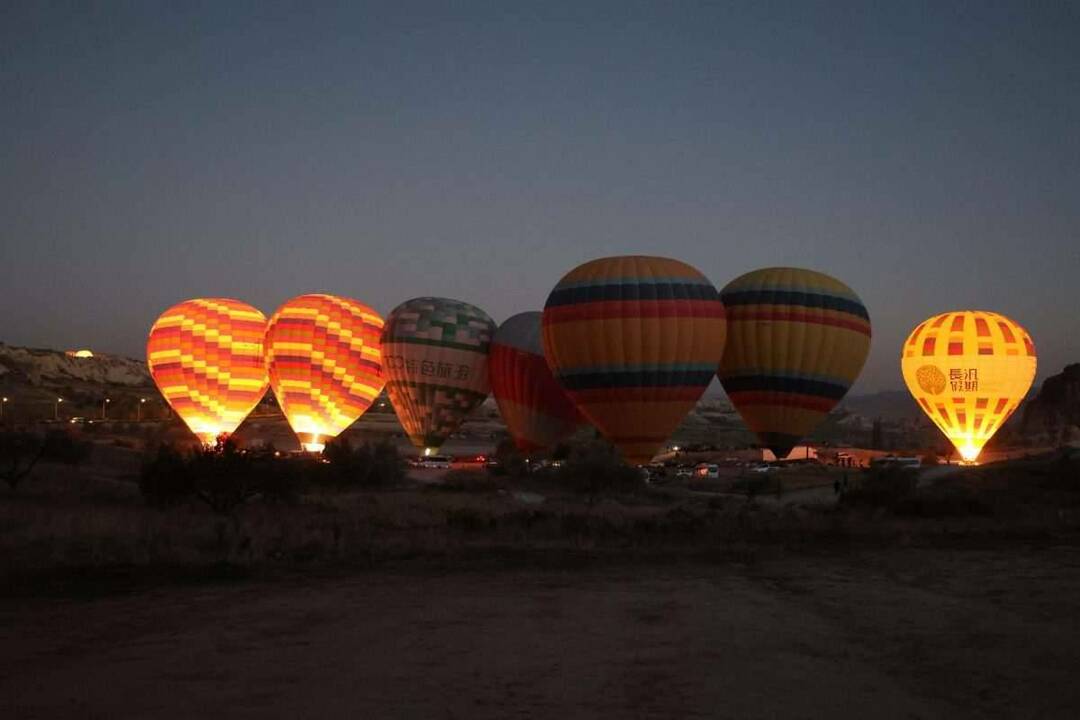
511	461
61	446
1063	474
166	479
883	487
227	476
596	468
387	465
369	465
223	477
19	452
947	500
754	485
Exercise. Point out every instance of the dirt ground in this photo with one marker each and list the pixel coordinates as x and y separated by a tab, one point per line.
902	634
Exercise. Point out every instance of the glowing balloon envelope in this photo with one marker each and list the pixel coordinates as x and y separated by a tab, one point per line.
537	411
206	357
324	358
797	340
436	357
968	370
635	341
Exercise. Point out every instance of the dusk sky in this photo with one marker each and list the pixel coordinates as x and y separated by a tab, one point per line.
926	154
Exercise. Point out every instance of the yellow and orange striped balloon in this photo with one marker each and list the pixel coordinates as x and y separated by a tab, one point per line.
324	357
969	370
206	357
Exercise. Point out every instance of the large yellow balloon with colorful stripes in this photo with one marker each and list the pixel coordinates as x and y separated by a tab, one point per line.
206	357
969	370
635	341
797	340
324	356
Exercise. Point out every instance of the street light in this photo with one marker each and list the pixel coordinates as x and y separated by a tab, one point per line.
104	403
141	401
56	408
2	404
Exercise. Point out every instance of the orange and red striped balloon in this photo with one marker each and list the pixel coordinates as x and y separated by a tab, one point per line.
324	358
206	357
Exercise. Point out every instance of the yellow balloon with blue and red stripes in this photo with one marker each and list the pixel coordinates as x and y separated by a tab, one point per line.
634	341
797	340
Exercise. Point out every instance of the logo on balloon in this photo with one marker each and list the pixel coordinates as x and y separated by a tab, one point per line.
931	379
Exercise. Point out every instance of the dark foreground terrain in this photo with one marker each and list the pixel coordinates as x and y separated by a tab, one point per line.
915	633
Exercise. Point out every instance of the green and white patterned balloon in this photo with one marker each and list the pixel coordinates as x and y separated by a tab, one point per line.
435	354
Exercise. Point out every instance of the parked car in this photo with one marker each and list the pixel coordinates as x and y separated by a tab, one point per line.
465	462
440	462
684	471
892	461
706	471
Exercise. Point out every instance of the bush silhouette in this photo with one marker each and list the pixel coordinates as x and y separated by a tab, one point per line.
596	468
227	476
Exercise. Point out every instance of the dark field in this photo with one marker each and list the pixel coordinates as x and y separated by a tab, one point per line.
473	597
896	634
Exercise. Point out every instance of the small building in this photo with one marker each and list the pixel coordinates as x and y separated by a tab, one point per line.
799	452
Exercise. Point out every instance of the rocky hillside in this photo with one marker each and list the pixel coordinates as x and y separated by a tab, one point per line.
51	368
32	379
891	405
1054	413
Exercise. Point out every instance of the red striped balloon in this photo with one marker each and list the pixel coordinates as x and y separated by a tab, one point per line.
537	411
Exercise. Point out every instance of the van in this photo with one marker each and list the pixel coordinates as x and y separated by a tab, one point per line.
892	461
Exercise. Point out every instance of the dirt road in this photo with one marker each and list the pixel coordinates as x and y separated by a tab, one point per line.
906	634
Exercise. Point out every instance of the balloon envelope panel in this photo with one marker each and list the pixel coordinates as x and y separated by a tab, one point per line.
969	370
635	341
537	411
436	357
206	357
324	358
797	340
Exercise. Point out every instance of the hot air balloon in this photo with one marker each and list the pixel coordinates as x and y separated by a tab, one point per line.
206	357
324	358
436	354
537	411
797	340
635	341
968	370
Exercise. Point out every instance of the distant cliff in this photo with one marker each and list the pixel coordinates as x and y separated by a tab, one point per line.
33	367
1054	413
